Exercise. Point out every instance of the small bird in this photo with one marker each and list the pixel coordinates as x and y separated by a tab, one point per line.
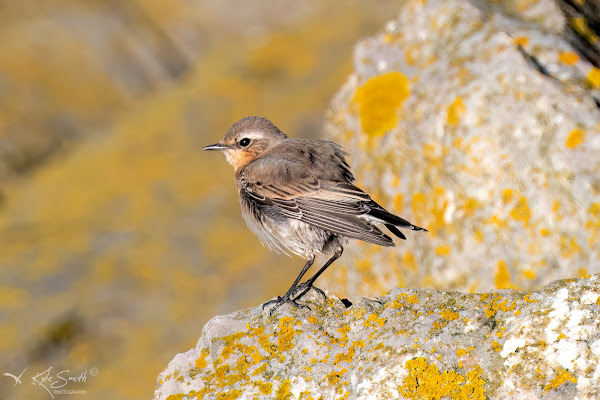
297	195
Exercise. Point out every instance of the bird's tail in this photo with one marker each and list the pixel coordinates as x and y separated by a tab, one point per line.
392	221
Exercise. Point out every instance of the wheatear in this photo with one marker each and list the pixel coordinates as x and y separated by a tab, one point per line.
297	195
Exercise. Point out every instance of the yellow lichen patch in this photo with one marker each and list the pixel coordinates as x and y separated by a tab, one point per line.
593	77
500	332
286	333
413	299
497	305
529	274
568	57
409	261
496	346
462	352
569	246
260	369
349	355
374	321
358	312
527	299
449	315
521	211
478	234
545	232
425	381
561	376
470	207
283	393
264	387
502	279
399	301
313	320
201	361
594	209
379	100
575	138
364	266
443	250
501	223
583	272
507	195
342	340
399	203
455	111
521	41
472	387
335	377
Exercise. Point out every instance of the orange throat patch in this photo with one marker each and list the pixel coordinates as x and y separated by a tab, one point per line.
239	158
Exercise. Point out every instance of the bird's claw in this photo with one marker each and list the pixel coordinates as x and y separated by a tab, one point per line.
281	300
304	287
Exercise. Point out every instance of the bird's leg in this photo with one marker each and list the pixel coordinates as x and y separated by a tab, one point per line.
304	287
287	297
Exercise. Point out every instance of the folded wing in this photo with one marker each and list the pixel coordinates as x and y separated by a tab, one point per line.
339	208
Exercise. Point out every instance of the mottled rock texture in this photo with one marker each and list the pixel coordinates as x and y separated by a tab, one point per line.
480	124
413	344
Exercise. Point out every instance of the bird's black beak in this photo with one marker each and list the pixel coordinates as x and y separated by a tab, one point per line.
216	146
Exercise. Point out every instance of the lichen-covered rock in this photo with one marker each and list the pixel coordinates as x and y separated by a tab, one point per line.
414	344
479	124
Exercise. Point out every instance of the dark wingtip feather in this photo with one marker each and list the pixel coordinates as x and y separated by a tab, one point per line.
395	231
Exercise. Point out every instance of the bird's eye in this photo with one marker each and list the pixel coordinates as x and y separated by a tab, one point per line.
244	142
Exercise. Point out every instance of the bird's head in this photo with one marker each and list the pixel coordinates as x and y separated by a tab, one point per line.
247	139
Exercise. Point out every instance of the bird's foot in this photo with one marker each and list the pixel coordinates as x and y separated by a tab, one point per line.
304	287
281	300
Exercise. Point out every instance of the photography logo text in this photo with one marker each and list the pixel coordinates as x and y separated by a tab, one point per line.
63	382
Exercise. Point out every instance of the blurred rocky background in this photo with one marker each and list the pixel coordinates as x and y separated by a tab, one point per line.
119	238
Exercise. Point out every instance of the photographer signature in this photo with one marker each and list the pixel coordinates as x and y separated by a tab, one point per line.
47	380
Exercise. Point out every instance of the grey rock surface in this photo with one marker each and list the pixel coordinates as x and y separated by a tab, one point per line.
480	124
411	344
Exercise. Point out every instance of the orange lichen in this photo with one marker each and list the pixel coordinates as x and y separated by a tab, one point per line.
575	138
335	376
374	321
399	203
568	57
286	333
496	346
349	355
521	41
449	315
529	274
456	111
561	376
201	361
443	250
264	387
425	381
502	279
593	77
521	211
379	99
284	390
